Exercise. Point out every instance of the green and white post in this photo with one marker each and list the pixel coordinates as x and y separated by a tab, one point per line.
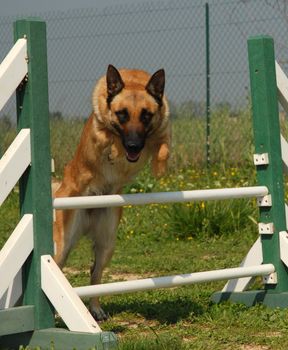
268	162
266	128
33	323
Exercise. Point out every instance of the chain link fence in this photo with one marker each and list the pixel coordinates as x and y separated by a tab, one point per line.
151	35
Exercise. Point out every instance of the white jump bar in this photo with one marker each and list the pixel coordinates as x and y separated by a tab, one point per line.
117	200
172	281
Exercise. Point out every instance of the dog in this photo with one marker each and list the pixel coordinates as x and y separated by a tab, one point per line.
129	125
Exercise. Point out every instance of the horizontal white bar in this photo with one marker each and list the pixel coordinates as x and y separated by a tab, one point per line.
15	251
172	281
64	299
14	162
13	70
282	86
117	200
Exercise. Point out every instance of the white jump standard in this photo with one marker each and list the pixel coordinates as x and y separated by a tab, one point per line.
45	288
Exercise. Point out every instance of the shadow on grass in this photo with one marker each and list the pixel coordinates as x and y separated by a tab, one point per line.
164	311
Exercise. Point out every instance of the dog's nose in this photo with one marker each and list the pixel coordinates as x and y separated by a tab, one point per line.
134	147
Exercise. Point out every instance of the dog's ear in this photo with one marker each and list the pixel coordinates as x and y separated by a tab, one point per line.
156	85
114	82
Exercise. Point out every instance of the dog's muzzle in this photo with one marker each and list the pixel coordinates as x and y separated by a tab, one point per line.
133	144
133	151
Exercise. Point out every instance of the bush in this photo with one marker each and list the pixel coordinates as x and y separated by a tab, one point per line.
214	218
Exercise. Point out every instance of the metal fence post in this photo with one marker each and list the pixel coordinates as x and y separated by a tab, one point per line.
207	85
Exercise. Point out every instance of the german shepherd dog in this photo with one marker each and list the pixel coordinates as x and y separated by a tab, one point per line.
128	126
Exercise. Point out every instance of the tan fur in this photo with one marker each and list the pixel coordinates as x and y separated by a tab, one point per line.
99	166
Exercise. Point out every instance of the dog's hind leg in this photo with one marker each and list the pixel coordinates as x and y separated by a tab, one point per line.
104	226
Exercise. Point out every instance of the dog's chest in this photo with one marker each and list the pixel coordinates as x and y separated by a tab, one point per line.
114	174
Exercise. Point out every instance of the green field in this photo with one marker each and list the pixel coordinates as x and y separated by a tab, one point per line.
157	240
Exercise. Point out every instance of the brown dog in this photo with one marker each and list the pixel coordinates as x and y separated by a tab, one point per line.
129	125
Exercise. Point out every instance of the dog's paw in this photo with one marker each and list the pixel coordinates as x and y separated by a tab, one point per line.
98	314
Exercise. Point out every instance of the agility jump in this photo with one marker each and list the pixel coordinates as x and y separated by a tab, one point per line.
30	246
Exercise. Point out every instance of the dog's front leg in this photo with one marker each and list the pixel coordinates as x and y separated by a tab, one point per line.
104	227
160	159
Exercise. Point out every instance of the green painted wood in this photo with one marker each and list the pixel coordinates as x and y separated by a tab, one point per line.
251	298
267	140
16	320
35	185
62	339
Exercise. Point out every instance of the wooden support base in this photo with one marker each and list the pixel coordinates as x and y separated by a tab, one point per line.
16	320
251	298
60	339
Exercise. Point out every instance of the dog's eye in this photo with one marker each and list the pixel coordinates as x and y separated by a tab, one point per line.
122	115
145	116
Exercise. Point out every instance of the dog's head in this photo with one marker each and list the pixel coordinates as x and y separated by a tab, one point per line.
131	104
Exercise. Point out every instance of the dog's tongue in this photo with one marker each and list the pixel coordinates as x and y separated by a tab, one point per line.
132	156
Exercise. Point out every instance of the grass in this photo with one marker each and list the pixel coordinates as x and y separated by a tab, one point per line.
180	318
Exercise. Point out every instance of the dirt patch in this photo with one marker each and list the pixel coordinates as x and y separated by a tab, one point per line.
108	275
254	347
124	276
74	272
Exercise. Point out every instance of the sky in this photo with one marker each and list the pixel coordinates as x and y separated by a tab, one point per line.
16	7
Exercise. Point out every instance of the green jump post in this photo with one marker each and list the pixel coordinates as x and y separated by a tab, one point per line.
266	129
35	185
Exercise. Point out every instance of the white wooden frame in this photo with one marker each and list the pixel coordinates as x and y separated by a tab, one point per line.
15	251
13	70
14	162
63	297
